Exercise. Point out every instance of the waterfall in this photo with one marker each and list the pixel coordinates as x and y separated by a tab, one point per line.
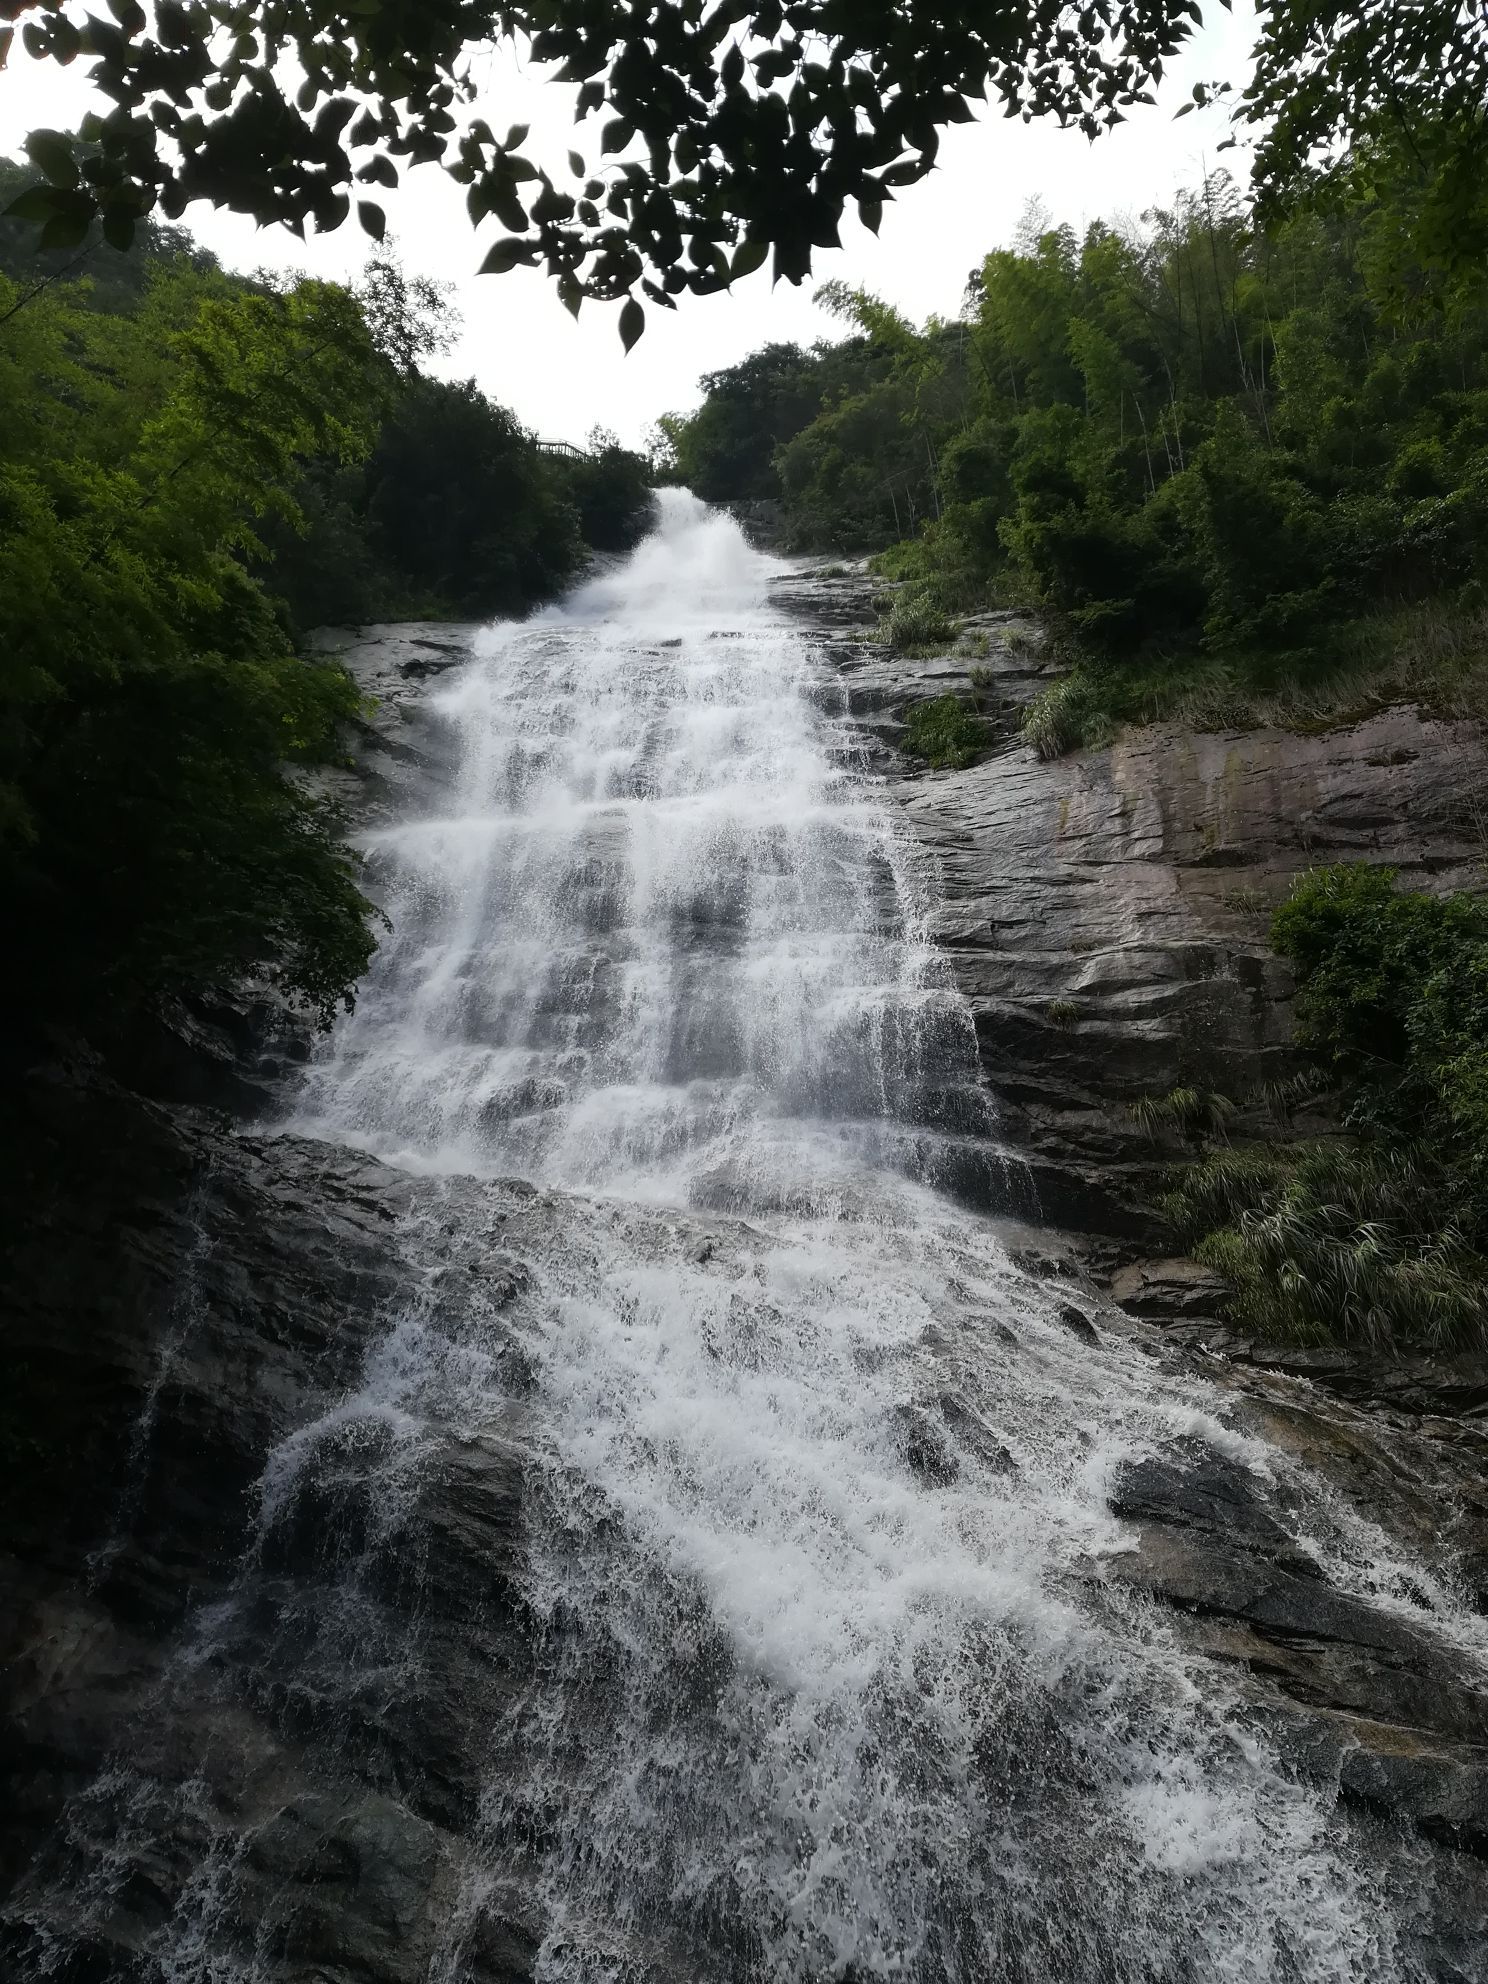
834	1677
830	1676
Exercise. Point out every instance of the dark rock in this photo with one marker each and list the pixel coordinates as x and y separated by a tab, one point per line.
1209	1545
183	1303
1076	1322
1164	1291
927	1453
973	1433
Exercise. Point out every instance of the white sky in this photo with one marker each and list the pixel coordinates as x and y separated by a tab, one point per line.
563	378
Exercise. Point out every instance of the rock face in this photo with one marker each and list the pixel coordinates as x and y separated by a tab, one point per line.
1107	914
400	746
265	1626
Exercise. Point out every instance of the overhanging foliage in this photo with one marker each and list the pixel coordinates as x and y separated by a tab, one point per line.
732	133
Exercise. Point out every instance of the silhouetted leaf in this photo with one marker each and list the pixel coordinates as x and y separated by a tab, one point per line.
53	157
506	254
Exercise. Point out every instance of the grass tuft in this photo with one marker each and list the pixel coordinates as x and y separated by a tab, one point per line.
915	621
1192	1112
945	733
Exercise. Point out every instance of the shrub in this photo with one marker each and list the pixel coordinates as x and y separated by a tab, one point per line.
914	621
1069	716
944	733
1332	1241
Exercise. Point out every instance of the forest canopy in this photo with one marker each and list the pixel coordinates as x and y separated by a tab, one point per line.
728	134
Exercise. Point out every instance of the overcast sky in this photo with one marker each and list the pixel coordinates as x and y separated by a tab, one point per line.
563	378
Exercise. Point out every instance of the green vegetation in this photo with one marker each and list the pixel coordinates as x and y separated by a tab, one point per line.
915	622
1238	464
168	430
945	733
1191	1112
1379	1234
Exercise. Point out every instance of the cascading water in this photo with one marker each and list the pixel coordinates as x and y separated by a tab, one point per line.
657	943
827	1678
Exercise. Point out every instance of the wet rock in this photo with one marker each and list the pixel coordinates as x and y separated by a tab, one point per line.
1076	1322
1170	1290
344	1887
1403	1723
973	1433
185	1304
927	1453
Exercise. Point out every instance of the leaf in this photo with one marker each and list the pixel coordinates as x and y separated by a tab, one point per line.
576	165
747	257
632	323
506	254
37	205
515	136
52	155
616	135
373	219
65	230
118	229
508	209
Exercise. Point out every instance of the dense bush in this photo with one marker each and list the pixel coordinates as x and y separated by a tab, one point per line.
1380	1234
453	514
461	507
150	838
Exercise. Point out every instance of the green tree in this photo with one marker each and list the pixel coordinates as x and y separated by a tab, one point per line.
725	453
152	840
461	506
